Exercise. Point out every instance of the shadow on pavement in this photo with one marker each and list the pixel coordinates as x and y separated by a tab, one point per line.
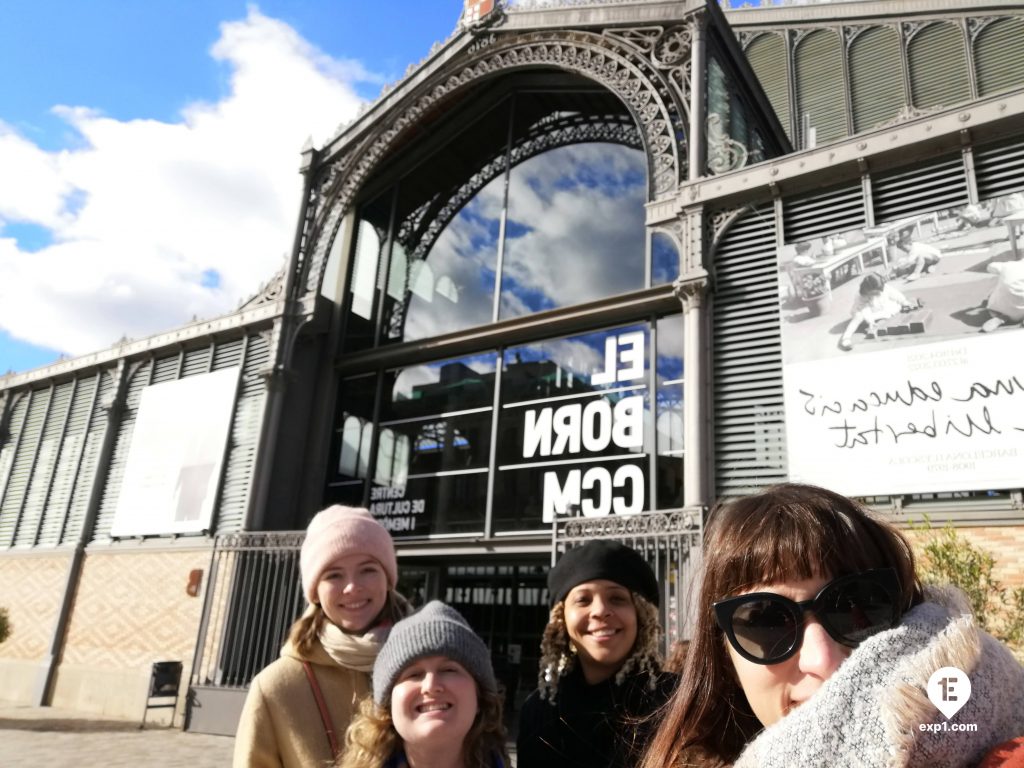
72	725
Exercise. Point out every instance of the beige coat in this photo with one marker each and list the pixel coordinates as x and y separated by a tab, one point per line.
281	725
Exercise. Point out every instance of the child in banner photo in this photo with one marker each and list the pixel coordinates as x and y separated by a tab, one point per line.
876	300
1006	301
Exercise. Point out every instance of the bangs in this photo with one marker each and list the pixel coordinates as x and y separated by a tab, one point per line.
780	536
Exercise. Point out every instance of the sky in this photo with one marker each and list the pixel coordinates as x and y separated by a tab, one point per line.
149	151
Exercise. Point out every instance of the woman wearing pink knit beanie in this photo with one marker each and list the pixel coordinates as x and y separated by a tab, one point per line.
298	708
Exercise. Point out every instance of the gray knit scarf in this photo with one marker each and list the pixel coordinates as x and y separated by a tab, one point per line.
870	711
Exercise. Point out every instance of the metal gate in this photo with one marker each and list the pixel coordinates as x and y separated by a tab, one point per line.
669	541
253	596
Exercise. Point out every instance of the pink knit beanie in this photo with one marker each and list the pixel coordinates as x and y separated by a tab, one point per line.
338	531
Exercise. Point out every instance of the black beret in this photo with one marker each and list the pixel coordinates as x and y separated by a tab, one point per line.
602	560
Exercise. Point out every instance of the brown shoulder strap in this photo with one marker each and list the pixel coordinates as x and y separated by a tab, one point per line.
325	716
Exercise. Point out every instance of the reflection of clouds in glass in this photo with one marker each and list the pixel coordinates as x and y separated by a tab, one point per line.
664	259
466	255
582	356
576	227
670	348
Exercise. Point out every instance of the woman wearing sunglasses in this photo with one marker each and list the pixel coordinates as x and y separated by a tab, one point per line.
815	643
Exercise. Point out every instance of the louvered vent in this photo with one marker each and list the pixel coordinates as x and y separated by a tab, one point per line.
12	471
821	94
824	213
197	361
876	86
115	473
767	57
909	192
999	56
68	462
21	470
227	354
43	466
938	66
999	170
245	429
750	440
90	457
166	369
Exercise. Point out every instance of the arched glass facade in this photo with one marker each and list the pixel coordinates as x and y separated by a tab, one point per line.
531	202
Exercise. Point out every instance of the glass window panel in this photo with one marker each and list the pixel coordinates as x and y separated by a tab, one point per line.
448	222
353	435
432	505
575	229
669	418
435	440
572	428
370	242
664	259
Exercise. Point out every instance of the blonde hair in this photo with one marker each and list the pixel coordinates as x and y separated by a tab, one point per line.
558	656
305	632
371	739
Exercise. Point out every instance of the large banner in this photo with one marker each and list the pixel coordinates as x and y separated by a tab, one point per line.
174	461
903	353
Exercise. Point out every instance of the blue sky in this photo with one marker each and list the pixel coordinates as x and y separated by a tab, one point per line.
149	148
149	151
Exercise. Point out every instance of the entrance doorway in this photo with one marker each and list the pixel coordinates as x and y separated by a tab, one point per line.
506	603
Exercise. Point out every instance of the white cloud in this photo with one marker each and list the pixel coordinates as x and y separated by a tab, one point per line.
142	213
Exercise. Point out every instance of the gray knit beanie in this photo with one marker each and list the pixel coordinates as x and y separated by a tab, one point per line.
434	630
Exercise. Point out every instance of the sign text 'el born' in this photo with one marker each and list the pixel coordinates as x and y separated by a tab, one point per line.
569	429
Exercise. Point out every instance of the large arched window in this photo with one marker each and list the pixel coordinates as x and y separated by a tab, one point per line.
527	196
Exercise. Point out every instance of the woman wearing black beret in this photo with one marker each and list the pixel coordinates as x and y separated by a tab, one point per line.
600	668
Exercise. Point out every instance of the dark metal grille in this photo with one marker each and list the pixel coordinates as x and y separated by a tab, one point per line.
253	595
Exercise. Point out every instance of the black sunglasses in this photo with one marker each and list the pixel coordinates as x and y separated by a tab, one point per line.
767	628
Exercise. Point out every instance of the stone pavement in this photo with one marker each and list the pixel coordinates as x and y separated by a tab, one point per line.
42	737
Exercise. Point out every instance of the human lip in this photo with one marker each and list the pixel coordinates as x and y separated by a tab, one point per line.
433	706
604	633
355	606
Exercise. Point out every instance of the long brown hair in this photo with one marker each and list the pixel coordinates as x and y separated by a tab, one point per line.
786	533
371	739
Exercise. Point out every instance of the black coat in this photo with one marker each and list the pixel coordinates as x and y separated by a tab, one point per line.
590	726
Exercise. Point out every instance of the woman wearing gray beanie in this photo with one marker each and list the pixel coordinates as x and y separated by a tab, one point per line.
435	699
297	709
600	667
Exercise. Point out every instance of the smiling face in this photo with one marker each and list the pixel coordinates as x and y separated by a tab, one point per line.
601	620
433	704
352	592
772	690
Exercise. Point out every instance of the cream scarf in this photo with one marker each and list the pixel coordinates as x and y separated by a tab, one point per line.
356	652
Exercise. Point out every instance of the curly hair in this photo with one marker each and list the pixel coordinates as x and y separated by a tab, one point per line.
558	655
371	739
304	633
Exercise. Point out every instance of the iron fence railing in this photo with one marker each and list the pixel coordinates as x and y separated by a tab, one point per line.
253	595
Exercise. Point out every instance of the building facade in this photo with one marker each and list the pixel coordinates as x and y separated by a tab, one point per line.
586	269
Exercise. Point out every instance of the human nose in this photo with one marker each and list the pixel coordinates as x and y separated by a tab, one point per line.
431	682
599	607
819	654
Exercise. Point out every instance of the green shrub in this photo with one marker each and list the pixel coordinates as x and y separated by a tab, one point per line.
949	558
5	625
